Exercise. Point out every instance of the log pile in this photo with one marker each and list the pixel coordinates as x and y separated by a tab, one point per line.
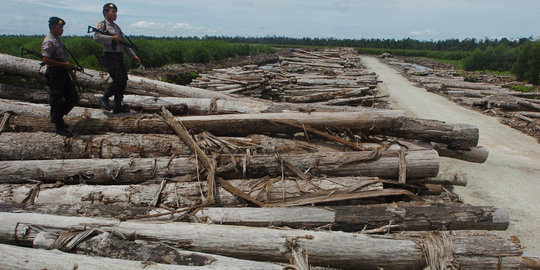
330	77
235	182
489	94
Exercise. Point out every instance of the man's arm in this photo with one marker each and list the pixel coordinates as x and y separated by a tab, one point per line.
54	63
102	38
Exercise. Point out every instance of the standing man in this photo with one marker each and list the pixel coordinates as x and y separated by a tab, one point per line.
113	59
59	76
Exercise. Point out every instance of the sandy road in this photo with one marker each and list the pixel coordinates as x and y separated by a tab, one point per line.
509	179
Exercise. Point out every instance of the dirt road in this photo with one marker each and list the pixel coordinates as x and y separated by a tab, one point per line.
509	179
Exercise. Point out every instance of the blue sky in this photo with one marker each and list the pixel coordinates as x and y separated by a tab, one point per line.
398	19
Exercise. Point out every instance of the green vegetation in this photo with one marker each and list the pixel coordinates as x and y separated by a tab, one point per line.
153	52
527	65
522	88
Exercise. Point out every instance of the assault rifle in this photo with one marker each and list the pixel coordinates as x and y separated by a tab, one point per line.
129	44
78	68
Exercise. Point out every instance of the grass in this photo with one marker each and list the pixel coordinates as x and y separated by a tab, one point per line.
523	88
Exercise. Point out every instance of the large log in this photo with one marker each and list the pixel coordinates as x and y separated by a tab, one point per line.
14	257
404	216
184	194
419	164
334	249
221	125
401	216
456	136
354	218
478	154
43	145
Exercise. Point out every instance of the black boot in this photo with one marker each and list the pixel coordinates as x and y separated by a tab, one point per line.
104	102
60	130
120	109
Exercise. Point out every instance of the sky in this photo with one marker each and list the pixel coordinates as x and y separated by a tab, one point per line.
340	19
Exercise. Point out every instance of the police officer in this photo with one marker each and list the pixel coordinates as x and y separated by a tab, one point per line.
113	58
59	76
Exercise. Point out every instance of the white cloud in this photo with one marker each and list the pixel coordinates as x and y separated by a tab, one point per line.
343	5
170	29
428	33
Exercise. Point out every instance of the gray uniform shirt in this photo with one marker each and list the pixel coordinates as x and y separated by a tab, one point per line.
52	47
106	40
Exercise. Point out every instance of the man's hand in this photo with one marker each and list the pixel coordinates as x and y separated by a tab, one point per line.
116	39
68	66
137	60
73	76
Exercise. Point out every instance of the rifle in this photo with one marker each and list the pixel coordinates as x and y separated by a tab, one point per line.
107	33
78	68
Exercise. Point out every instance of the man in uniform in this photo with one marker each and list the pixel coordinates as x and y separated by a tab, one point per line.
59	76
113	58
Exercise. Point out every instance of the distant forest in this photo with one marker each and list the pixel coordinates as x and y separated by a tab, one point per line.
521	56
403	44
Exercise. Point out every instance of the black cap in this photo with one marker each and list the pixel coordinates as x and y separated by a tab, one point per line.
56	21
108	6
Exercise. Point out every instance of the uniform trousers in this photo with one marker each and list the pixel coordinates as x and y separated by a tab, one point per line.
63	95
114	62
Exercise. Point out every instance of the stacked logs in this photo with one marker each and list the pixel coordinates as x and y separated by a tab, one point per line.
520	110
329	77
207	184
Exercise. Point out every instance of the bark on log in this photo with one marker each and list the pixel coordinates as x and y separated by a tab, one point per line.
530	261
406	216
76	199
14	257
420	164
456	136
220	125
334	249
477	154
43	145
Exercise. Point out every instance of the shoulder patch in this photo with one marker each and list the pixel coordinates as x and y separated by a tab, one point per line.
99	25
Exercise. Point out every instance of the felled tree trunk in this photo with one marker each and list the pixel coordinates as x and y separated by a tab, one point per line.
14	257
456	136
403	216
419	164
388	218
477	154
334	249
50	197
44	145
221	125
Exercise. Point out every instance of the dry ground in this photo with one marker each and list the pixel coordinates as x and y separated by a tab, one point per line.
509	179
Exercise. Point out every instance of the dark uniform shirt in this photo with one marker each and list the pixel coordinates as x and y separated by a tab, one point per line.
52	47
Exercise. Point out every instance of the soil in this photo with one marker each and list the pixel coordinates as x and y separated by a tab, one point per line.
509	179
